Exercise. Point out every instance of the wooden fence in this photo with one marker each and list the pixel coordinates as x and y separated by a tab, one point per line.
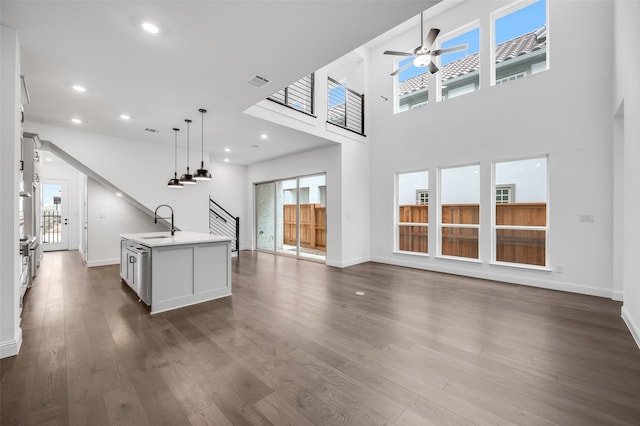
313	225
518	246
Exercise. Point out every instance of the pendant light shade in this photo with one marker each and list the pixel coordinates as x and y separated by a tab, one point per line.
202	173
187	178
175	182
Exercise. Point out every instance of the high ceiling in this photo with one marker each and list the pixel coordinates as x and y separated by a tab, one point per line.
202	58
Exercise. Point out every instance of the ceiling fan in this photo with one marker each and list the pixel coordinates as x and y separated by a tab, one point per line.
423	55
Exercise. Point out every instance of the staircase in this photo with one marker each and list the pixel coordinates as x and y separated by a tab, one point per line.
221	222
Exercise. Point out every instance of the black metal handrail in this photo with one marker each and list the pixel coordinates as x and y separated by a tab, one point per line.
51	226
298	96
221	222
345	107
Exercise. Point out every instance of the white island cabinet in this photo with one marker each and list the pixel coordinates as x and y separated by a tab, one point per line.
183	269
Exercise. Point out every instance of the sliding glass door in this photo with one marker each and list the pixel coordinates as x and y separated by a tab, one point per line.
291	216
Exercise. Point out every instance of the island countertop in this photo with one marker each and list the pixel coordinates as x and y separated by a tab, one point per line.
160	239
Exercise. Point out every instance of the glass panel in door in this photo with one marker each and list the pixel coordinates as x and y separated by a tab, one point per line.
313	216
287	216
265	216
54	216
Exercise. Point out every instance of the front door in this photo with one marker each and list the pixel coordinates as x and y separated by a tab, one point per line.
55	211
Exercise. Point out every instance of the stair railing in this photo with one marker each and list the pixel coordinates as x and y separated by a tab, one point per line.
221	222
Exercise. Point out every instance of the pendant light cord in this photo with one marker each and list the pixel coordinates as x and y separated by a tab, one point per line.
175	152
202	128
202	111
188	125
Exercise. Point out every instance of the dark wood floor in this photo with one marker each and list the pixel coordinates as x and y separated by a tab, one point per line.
295	345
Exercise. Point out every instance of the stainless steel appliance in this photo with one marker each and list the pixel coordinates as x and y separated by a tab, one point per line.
139	272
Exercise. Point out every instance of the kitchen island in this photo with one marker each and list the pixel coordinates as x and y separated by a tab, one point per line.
172	271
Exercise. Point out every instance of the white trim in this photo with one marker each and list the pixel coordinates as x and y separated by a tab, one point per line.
103	262
347	263
460	258
411	253
501	13
617	295
451	35
11	347
631	324
495	227
521	266
332	128
493	276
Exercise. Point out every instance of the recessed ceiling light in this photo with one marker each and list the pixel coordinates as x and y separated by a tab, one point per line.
226	160
125	116
150	28
264	136
79	88
76	120
227	150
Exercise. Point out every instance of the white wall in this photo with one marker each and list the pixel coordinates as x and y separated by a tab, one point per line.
626	104
227	188
559	112
313	162
109	216
356	194
139	169
10	331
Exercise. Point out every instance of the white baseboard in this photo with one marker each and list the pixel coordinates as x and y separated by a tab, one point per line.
346	263
11	347
495	275
102	262
631	324
618	296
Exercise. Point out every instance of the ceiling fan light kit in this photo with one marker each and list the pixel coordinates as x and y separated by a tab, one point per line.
423	55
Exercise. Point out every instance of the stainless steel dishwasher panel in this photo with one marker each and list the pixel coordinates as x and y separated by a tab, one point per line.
143	274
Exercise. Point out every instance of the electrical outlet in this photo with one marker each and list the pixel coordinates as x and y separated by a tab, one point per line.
587	218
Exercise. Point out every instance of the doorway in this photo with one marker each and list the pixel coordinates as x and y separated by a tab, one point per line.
55	211
291	216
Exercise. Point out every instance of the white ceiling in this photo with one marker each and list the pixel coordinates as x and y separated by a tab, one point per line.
202	58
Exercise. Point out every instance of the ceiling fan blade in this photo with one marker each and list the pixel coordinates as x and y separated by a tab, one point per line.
393	52
430	38
432	68
402	68
450	49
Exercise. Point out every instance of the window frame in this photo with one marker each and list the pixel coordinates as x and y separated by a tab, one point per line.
501	13
475	24
396	215
440	225
495	227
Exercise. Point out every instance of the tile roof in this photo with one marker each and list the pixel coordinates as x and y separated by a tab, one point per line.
504	51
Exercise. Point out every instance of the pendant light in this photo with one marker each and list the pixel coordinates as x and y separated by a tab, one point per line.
187	178
202	173
174	182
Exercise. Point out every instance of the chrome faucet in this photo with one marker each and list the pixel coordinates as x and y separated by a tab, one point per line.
156	217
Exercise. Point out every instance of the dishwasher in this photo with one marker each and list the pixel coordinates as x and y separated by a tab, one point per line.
139	272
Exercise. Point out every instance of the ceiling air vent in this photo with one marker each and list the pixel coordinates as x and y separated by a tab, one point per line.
258	80
150	130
